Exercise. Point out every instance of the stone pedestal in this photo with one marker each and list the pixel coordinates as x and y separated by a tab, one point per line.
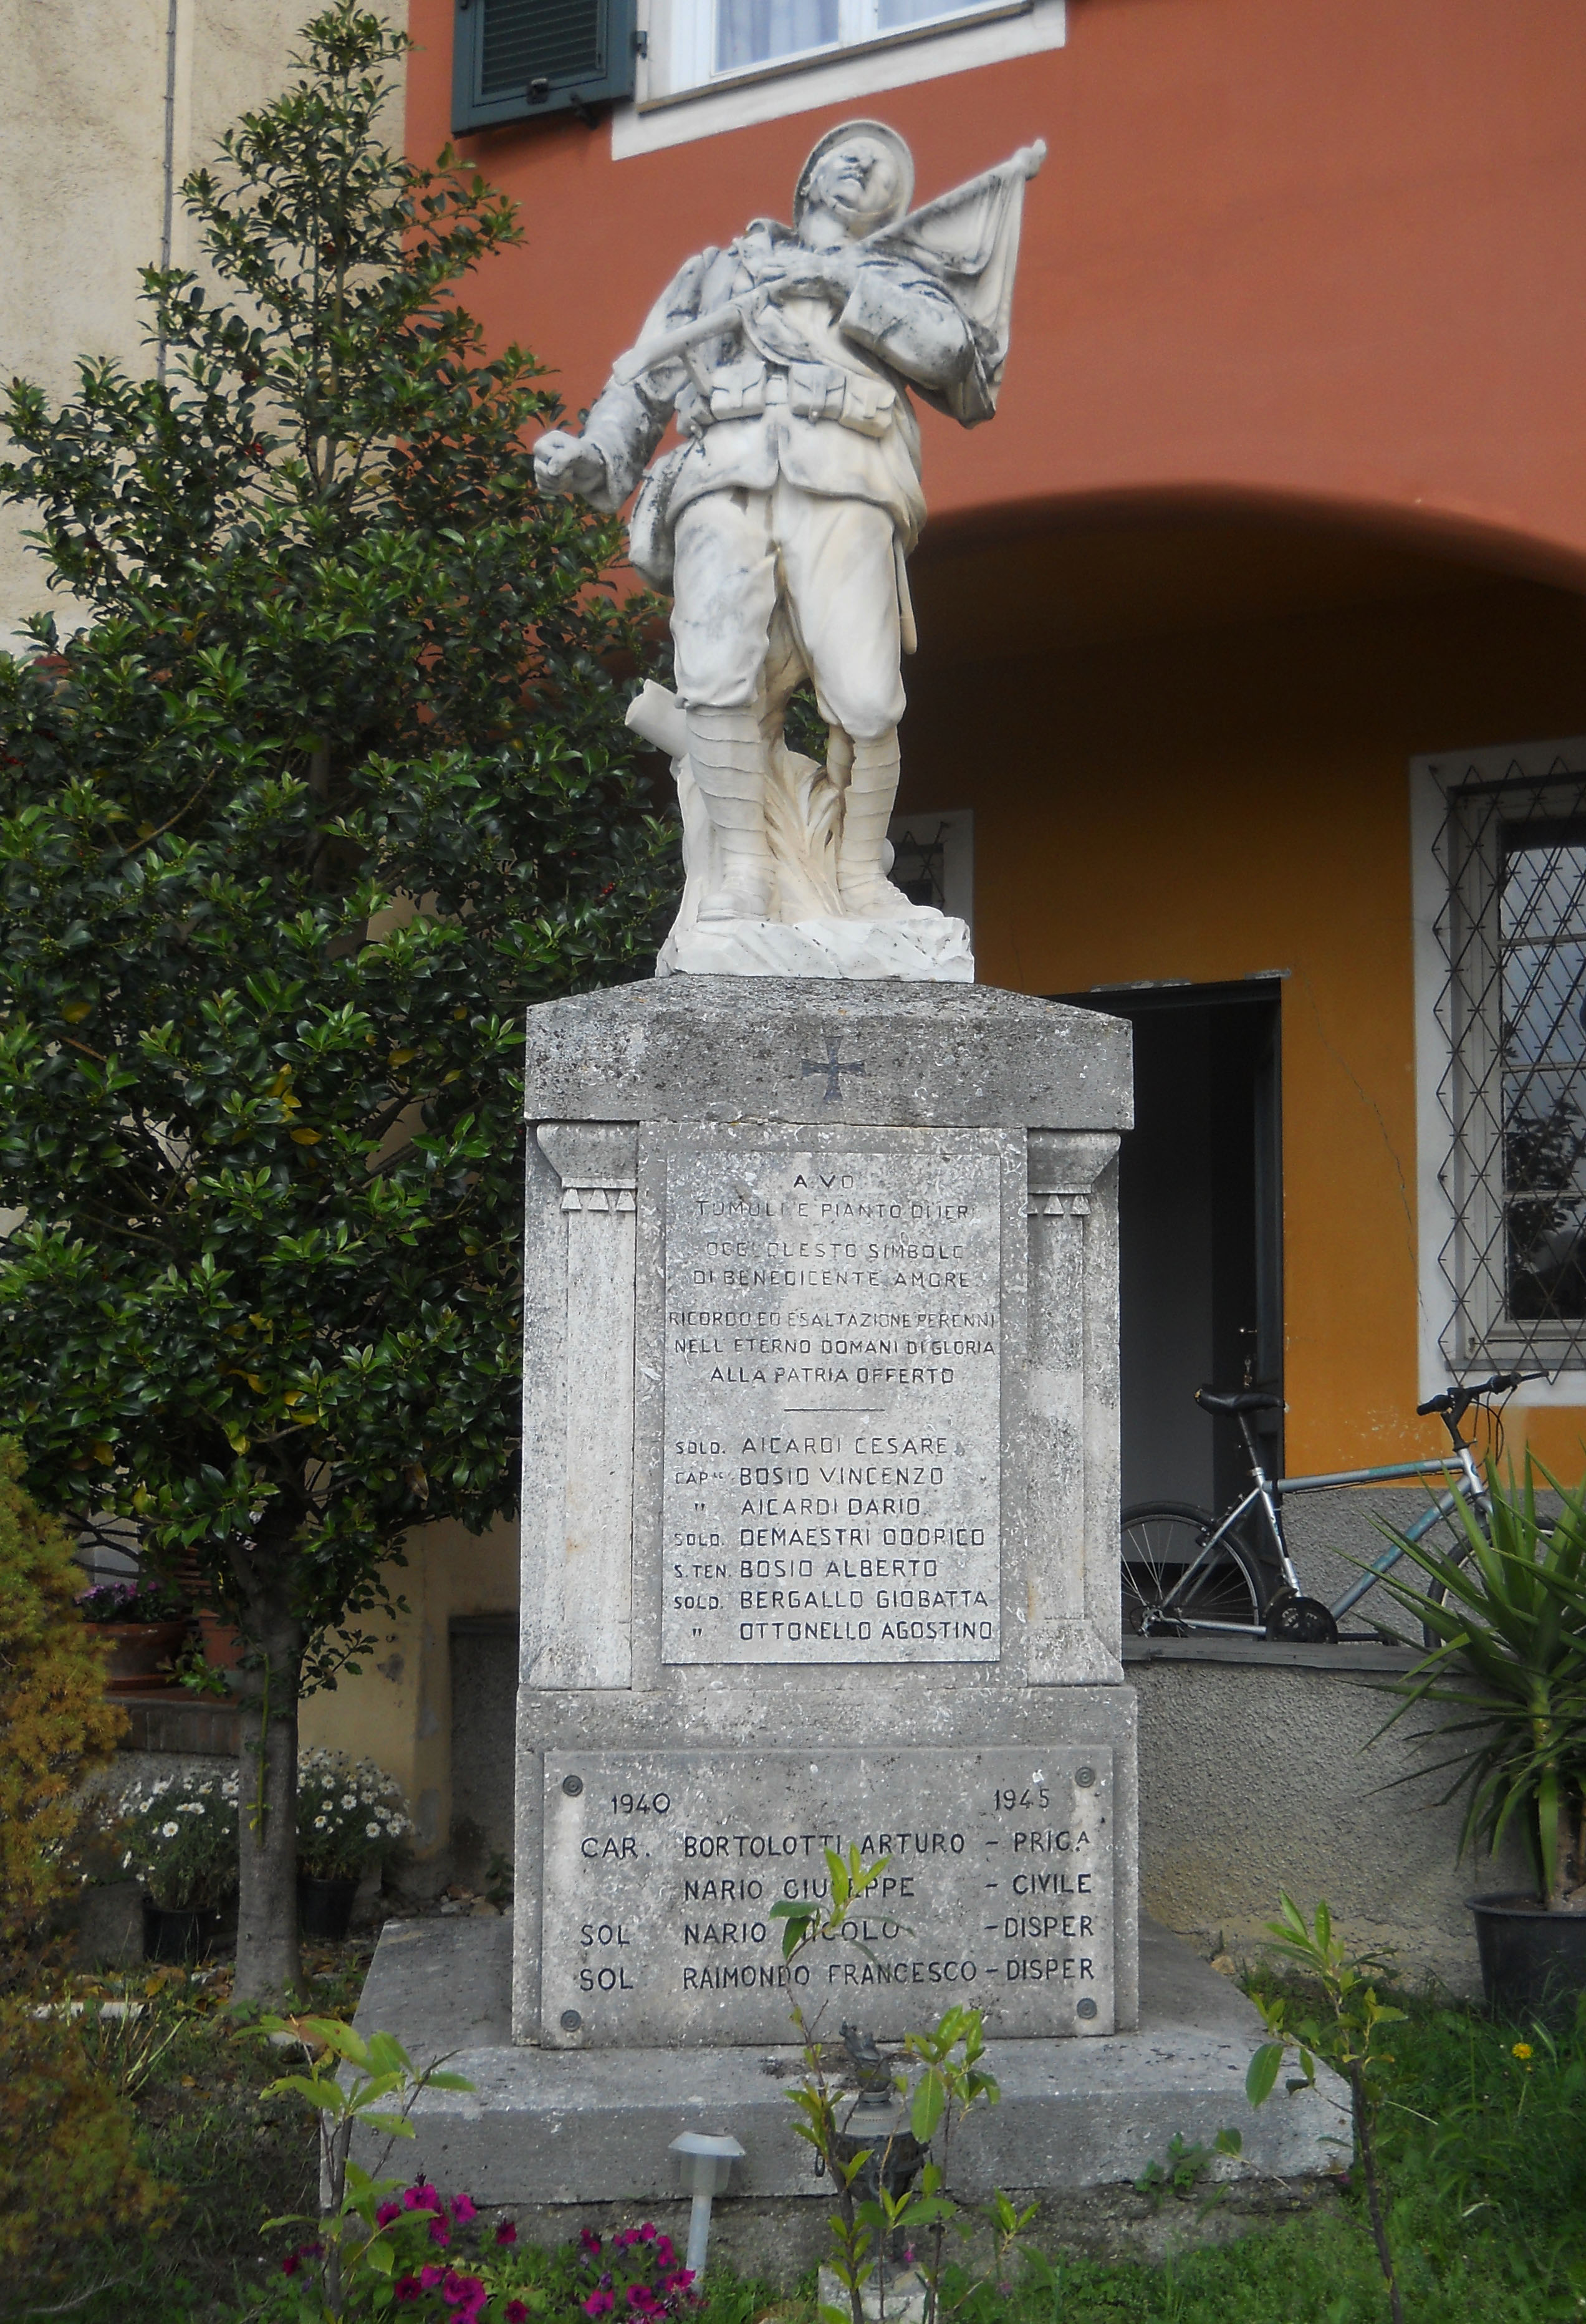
820	1513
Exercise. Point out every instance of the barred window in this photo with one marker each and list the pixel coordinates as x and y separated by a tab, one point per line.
1511	1010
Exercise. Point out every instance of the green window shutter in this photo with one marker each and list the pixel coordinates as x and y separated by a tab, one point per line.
514	59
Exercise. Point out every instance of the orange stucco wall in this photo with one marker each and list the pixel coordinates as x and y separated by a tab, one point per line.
1218	802
1328	248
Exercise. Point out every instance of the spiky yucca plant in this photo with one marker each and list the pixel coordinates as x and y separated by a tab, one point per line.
1508	1607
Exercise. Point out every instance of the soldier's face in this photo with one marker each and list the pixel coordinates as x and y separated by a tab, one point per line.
857	182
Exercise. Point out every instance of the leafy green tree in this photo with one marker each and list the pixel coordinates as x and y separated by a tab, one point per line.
333	782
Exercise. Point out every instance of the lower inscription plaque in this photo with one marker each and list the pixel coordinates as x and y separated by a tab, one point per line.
661	1868
833	1363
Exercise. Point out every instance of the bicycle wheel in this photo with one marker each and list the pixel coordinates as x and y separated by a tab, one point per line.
1162	1541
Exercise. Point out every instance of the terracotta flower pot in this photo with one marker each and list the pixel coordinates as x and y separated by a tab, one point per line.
137	1649
223	1644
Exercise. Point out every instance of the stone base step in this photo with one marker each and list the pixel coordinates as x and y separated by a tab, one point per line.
553	2126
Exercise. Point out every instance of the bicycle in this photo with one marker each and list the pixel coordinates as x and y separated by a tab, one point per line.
1186	1572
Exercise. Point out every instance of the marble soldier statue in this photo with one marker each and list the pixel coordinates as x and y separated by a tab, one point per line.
782	522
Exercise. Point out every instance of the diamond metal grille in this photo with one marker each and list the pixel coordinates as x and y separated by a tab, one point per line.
919	865
1512	1007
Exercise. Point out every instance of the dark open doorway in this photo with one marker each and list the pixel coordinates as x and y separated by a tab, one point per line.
1201	1232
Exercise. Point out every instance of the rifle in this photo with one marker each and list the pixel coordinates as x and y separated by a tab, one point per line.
734	313
666	344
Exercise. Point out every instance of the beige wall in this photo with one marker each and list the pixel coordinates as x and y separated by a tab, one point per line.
398	1711
84	194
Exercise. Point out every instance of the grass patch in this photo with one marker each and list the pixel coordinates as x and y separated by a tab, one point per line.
230	2157
1484	2153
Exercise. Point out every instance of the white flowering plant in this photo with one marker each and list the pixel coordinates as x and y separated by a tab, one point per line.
179	1836
350	1815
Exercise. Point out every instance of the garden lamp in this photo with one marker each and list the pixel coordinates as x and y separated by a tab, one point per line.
706	2165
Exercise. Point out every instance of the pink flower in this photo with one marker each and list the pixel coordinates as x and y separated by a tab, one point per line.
647	2232
387	2213
439	2234
408	2287
463	2210
422	2198
664	2252
589	2239
288	2265
465	2293
516	2312
430	2276
598	2305
507	2233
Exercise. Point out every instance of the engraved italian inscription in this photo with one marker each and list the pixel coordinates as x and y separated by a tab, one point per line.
832	1409
662	1870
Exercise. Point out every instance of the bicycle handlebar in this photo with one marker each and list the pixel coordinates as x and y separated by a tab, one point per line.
1456	1401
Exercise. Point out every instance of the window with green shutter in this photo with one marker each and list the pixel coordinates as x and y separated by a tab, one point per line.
514	60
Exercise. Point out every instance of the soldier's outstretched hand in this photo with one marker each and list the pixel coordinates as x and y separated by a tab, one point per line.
568	465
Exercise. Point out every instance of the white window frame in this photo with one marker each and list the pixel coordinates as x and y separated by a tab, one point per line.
678	97
1431	778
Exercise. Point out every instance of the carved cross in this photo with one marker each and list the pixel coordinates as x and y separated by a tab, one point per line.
834	1067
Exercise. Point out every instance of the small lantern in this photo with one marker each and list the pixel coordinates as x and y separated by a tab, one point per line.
705	2165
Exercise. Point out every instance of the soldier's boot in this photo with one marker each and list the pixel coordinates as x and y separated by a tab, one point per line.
726	751
866	891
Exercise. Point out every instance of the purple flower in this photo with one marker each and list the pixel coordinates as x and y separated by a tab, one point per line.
589	2239
598	2305
387	2213
516	2312
288	2265
463	2210
422	2197
408	2289
647	2232
507	2233
429	2277
439	2234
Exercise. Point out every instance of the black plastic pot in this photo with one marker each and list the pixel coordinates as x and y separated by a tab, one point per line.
324	1907
180	1933
1533	1962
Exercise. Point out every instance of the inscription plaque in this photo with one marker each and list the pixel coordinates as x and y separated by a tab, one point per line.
661	1868
832	1403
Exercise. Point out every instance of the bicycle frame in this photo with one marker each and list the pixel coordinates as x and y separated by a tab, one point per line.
1471	1486
1268	1493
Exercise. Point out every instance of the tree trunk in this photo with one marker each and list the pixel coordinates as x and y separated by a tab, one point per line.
269	1966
